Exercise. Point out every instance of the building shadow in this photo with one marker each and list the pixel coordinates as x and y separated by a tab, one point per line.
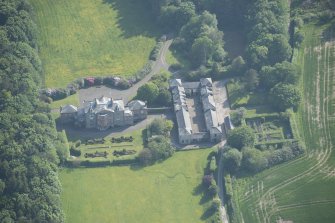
135	18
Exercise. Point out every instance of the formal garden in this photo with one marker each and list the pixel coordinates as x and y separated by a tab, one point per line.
115	149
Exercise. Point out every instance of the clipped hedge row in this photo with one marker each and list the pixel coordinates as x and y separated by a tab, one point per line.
99	163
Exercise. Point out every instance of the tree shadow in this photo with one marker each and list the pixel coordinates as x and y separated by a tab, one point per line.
205	198
329	33
208	213
135	18
136	167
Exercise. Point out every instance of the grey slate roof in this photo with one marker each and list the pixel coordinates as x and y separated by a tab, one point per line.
136	105
208	103
191	85
175	83
68	109
206	82
184	121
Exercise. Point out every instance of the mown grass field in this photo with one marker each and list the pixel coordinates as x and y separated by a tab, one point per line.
80	38
165	192
303	190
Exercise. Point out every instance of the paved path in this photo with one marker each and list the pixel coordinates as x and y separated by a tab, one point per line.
223	212
128	94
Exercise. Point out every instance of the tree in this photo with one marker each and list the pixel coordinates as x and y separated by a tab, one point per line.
164	97
283	96
241	137
216	204
238	65
213	190
254	160
148	92
160	147
202	50
251	79
208	180
280	49
232	160
237	116
284	72
160	126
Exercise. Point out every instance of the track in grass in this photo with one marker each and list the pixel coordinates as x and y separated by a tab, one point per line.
80	38
309	181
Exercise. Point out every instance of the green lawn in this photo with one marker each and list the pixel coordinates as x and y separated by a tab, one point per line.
302	190
80	38
165	192
70	100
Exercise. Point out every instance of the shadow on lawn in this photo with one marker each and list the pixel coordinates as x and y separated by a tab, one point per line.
134	18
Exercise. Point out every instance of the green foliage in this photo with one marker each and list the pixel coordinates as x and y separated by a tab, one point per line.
213	190
232	160
216	204
267	24
160	126
254	160
174	16
160	148
212	165
284	96
284	72
148	92
238	65
237	116
251	79
29	143
202	40
241	137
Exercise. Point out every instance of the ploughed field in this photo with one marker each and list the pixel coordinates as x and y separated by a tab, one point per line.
165	192
81	38
302	190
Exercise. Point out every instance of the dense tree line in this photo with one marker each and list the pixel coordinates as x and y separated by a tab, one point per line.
197	36
30	147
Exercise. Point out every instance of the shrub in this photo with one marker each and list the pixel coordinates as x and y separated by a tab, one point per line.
123	84
212	164
75	151
155	52
254	160
109	81
98	81
213	190
241	137
77	143
207	180
284	96
232	160
216	204
80	83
